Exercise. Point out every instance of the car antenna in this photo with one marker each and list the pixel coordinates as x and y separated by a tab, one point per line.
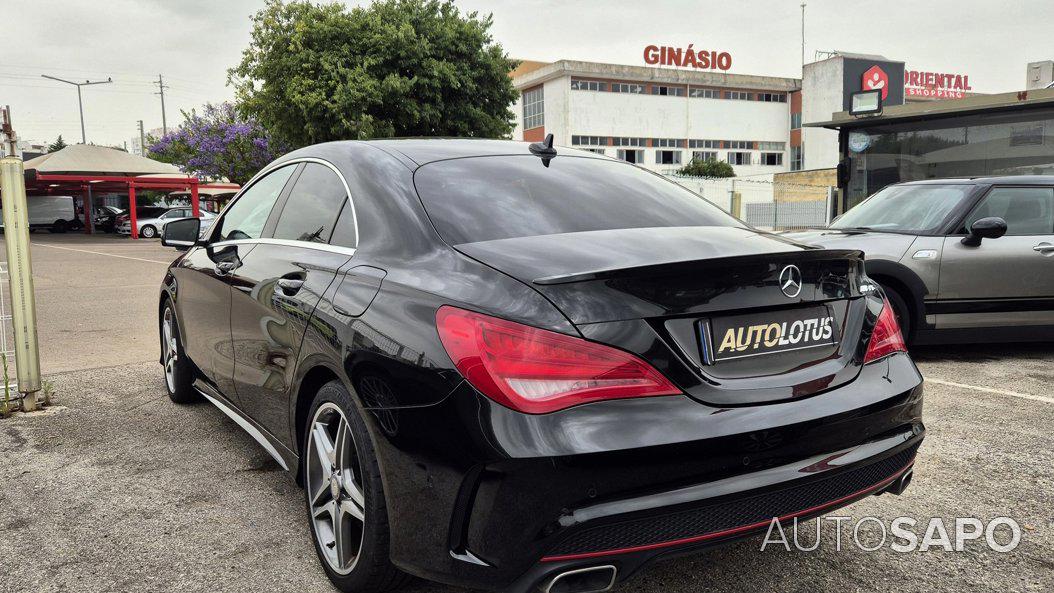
544	149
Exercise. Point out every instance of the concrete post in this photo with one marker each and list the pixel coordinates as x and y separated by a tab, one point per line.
20	277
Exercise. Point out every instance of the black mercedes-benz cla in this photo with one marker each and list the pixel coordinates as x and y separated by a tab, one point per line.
515	367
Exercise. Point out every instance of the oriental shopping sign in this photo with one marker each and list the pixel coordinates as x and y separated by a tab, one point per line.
935	85
687	57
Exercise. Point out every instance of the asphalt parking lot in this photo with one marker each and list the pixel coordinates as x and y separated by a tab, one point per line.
117	489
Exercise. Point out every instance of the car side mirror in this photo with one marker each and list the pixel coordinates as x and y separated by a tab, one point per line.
991	227
181	234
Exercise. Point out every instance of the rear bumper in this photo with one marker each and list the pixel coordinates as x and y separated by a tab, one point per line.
630	542
625	482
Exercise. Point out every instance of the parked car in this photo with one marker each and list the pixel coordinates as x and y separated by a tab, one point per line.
514	368
959	259
151	226
105	218
57	214
142	212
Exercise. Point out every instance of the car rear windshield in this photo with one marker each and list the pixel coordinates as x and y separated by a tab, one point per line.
501	197
906	208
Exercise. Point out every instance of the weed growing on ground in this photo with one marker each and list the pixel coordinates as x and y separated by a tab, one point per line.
49	391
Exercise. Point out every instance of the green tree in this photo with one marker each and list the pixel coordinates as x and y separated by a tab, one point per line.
314	73
707	168
57	145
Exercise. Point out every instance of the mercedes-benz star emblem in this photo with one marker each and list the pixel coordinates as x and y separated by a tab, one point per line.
790	281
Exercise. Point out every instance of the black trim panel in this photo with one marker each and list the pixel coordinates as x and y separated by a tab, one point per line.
1008	305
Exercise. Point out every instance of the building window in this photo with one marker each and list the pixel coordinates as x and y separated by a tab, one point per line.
795	121
772	158
704	93
623	87
588	85
772	97
624	141
797	161
673	91
704	144
774	146
740	144
596	150
631	156
739	96
589	140
667	157
739	158
704	155
667	142
533	108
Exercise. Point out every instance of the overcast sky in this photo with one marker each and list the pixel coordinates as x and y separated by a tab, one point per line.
193	43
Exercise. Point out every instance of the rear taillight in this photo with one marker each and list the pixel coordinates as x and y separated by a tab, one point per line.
886	338
537	371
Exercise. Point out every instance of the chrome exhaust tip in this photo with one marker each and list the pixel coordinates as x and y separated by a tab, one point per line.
901	484
593	579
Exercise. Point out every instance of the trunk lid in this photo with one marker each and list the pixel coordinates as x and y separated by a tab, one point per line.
705	305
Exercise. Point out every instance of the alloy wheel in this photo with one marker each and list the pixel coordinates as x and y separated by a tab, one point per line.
168	330
334	488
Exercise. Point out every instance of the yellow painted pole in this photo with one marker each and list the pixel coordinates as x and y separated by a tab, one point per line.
20	277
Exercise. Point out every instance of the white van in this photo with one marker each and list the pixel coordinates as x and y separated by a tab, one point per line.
55	213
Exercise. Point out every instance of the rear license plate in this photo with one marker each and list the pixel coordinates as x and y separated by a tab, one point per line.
756	334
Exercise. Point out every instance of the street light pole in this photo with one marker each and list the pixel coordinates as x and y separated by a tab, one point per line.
80	103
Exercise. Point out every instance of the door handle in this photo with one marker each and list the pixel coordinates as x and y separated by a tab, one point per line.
226	268
1044	247
290	286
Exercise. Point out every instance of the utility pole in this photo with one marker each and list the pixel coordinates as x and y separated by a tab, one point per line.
803	39
80	103
161	87
7	132
142	140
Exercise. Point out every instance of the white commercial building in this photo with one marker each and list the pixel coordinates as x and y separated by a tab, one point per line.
662	118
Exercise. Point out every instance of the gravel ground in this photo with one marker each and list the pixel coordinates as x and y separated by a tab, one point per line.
117	489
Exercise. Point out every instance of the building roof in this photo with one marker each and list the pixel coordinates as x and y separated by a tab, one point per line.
561	68
1038	98
86	159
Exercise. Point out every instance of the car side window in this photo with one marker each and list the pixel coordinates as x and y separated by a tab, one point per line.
245	218
345	234
1026	210
311	211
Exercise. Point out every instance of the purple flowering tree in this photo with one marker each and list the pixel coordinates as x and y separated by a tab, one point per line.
216	143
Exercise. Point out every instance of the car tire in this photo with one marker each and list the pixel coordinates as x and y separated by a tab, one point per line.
337	446
901	311
148	232
179	375
59	227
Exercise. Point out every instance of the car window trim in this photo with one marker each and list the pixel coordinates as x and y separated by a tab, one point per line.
268	227
349	251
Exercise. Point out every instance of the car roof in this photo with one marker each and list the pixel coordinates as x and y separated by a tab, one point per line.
990	180
427	150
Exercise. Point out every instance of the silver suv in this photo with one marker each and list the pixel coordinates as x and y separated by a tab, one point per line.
960	259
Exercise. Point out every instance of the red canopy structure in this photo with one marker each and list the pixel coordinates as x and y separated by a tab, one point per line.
83	168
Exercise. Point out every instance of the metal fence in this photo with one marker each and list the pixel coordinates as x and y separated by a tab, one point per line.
7	343
763	203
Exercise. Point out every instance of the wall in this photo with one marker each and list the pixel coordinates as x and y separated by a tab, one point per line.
595	113
803	186
822	92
